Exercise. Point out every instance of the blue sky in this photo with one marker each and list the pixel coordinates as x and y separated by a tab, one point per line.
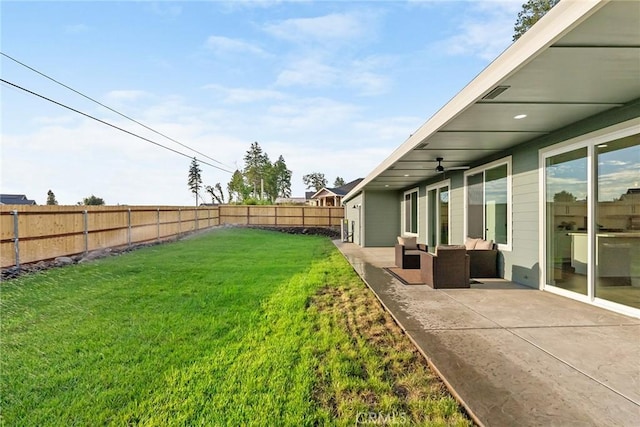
333	87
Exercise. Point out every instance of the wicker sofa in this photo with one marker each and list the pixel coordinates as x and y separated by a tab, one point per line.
483	258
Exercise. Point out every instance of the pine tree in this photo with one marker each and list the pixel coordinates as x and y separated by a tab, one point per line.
315	180
256	168
51	198
195	178
531	12
339	182
282	178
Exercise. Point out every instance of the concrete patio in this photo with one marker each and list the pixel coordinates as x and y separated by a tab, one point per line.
512	355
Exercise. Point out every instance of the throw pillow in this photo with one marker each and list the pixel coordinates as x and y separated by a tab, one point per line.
471	243
409	243
484	244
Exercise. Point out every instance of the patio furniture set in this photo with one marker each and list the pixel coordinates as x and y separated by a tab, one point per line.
450	266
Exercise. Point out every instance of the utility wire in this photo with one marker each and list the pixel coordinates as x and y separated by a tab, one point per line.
109	108
108	124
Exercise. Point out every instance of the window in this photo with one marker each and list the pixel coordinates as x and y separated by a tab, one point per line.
411	212
489	202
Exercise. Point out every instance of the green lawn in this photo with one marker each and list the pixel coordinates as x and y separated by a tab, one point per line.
234	327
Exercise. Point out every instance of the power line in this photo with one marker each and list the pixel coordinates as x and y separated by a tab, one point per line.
108	124
109	108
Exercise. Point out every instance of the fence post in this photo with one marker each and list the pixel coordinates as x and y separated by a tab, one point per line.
129	227
179	222
85	215
16	243
196	214
303	216
158	223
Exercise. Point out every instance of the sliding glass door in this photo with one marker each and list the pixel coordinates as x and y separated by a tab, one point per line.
617	237
592	220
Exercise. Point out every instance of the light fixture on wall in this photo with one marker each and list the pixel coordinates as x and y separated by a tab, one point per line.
520	116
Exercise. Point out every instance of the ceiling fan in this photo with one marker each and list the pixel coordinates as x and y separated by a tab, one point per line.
440	168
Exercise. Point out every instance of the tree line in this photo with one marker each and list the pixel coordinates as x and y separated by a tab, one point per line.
259	182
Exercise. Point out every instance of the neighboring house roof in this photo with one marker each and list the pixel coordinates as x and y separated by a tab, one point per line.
15	199
337	191
537	75
308	194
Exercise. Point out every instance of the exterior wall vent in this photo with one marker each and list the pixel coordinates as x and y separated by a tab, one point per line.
495	92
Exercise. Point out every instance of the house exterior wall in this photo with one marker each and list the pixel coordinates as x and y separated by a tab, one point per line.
382	216
353	213
521	264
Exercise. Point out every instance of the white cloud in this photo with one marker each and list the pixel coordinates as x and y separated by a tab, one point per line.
333	28
361	75
221	44
125	95
243	95
166	9
308	72
484	31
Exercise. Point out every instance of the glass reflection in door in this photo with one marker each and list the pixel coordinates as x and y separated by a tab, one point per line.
618	221
566	220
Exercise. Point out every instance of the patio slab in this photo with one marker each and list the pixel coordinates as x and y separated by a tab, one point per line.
515	355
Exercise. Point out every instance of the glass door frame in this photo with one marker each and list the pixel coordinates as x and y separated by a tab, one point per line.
430	209
590	141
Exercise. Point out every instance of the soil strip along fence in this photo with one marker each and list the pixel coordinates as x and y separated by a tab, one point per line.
34	233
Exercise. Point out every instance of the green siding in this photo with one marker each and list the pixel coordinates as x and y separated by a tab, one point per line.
382	217
352	211
521	264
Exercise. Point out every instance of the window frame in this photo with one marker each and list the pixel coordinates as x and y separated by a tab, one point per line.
438	187
482	169
590	141
404	231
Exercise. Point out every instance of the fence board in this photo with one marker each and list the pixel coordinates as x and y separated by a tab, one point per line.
46	232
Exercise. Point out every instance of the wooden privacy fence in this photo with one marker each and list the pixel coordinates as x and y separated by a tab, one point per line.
35	233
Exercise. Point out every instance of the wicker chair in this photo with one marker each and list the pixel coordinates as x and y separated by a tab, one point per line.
409	258
447	268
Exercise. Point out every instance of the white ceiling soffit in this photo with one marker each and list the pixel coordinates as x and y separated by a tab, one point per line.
581	59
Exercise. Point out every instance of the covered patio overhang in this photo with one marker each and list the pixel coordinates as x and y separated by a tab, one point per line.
579	60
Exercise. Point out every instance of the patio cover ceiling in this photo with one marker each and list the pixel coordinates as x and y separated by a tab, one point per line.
579	60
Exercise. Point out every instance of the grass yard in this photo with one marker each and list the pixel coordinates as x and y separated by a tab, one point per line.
234	327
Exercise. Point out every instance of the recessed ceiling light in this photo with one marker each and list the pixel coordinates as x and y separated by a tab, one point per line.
386	185
406	174
520	116
602	146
